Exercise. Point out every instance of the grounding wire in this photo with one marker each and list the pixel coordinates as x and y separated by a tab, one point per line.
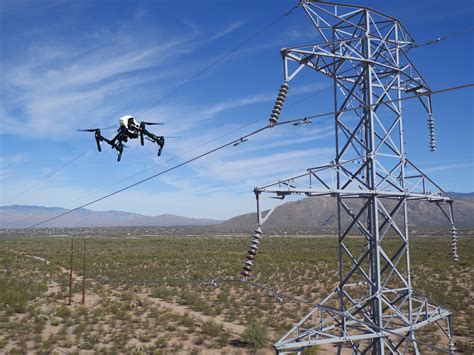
239	140
219	59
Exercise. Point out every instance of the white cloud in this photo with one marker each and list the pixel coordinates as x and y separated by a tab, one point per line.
62	84
229	29
449	167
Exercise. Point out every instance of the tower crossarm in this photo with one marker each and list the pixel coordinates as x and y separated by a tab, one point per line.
322	181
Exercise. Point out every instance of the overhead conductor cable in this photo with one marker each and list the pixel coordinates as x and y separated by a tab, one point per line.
243	138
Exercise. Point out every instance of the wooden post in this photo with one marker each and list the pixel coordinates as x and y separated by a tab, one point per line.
70	273
84	275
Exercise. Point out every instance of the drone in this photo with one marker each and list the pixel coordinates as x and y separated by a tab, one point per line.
129	128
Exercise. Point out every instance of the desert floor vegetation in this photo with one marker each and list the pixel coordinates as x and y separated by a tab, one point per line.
152	295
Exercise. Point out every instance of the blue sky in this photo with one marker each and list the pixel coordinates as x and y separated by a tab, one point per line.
82	64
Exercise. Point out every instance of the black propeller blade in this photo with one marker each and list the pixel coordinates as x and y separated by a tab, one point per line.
95	129
151	140
152	123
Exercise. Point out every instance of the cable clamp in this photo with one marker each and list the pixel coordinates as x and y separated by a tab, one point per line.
305	120
240	141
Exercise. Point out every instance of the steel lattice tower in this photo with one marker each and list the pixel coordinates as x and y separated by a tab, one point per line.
375	307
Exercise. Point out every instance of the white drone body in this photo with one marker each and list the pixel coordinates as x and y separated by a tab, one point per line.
124	121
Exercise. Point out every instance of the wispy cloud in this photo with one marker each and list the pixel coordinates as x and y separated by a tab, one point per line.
229	29
68	82
58	85
449	167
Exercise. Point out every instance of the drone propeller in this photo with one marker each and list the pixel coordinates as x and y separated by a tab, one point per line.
152	123
95	129
151	140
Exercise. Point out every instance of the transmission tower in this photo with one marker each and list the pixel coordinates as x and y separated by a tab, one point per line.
374	308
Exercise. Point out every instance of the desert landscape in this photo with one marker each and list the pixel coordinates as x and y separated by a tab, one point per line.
236	177
182	294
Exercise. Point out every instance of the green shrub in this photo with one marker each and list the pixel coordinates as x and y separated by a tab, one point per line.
161	292
312	350
63	312
14	300
211	328
255	336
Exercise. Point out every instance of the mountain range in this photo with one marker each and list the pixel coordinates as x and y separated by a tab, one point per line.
303	216
18	216
320	215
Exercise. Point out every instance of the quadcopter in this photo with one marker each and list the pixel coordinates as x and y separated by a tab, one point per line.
129	129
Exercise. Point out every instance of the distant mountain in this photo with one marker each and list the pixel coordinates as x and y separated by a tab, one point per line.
319	214
306	216
18	216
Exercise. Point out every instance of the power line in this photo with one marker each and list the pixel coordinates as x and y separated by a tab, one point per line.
416	45
179	87
442	38
196	75
198	146
465	86
218	60
50	175
241	140
235	141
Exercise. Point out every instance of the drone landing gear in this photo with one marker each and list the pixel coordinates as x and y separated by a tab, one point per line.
160	140
161	143
119	147
98	139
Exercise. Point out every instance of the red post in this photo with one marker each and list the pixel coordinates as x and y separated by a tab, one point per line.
84	274
70	273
